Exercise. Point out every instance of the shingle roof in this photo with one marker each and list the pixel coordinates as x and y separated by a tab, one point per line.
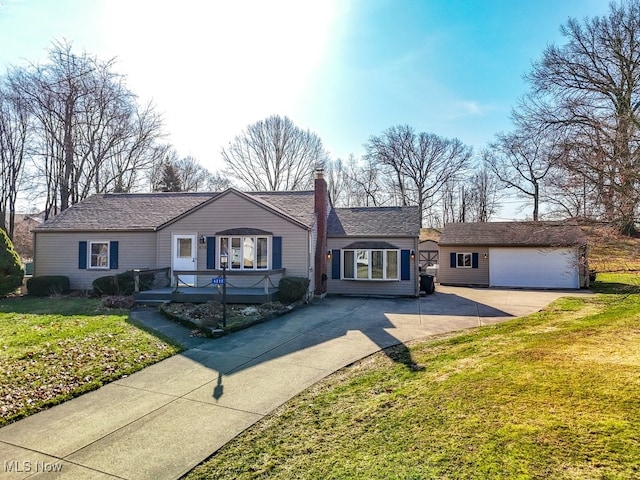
125	211
299	205
526	234
148	211
374	222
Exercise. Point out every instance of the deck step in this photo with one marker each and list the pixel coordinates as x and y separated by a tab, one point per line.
203	295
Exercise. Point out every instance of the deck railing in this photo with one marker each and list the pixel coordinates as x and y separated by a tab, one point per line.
161	277
264	277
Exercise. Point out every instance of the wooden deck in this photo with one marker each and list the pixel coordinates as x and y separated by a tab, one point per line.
186	294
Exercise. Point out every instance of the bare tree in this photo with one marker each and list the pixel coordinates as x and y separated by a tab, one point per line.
589	89
485	198
420	163
521	160
273	154
14	133
90	135
173	173
337	182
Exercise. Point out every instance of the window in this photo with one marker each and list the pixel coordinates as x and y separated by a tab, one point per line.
99	255
463	260
370	264
245	253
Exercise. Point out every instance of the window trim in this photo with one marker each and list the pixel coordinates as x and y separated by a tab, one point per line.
255	238
369	251
464	255
90	265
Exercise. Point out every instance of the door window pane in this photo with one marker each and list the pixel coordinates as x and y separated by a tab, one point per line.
184	248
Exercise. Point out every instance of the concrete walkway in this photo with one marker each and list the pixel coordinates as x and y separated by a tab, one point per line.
162	421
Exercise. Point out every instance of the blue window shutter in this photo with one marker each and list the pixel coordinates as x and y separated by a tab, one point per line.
405	265
452	259
335	264
276	258
211	253
474	260
113	255
82	255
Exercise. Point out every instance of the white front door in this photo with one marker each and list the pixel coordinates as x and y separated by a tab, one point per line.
184	257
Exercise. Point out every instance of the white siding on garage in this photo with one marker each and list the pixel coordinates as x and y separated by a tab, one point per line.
533	267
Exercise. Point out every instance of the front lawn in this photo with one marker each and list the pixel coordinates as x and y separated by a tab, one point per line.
552	395
52	349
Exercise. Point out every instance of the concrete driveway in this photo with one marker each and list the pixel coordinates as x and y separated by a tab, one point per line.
162	421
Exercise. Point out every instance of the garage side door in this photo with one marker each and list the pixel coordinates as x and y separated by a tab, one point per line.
533	267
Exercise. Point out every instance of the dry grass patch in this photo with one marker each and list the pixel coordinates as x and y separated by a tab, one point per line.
52	349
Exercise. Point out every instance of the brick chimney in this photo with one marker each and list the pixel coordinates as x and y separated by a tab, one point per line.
321	209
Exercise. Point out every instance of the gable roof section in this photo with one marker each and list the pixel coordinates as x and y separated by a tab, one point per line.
374	222
511	234
125	211
297	205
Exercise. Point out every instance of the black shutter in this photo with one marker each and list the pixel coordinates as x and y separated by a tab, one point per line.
113	255
474	260
276	258
405	265
82	255
335	264
211	253
452	259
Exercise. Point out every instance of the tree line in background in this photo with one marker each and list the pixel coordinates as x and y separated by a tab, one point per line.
71	128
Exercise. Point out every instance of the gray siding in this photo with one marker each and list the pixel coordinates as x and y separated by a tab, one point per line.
463	276
56	253
234	211
372	287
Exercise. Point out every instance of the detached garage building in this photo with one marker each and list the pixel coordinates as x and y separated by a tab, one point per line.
514	254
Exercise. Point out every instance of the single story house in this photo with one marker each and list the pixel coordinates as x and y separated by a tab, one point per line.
264	235
514	254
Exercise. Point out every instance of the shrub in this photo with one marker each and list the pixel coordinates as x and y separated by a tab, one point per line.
48	285
121	284
292	289
11	273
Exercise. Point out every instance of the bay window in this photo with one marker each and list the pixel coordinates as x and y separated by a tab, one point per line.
370	264
245	252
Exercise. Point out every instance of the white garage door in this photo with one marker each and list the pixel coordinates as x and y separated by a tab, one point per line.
533	267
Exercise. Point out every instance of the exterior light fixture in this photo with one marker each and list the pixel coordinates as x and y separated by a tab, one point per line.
202	239
485	256
328	254
413	254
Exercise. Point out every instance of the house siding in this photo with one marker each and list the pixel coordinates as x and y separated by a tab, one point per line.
368	288
135	250
234	211
463	276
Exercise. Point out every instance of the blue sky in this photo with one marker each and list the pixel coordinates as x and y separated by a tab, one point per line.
344	69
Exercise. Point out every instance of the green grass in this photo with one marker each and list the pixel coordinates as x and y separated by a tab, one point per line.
552	395
52	349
